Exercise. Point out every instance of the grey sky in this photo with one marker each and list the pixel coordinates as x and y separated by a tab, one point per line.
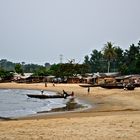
38	31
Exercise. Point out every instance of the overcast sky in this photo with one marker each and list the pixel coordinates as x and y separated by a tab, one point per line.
39	31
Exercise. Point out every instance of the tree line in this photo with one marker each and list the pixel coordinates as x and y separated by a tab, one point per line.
114	59
110	59
58	70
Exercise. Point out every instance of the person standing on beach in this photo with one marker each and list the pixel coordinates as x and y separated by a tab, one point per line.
45	82
65	94
53	84
88	90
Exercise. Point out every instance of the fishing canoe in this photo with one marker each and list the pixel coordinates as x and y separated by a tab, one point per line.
118	86
44	96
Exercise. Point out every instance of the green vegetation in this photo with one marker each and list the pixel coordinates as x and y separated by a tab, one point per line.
41	71
114	59
58	70
109	53
18	69
67	69
110	59
5	75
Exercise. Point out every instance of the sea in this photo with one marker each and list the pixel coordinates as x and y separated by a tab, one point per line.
16	103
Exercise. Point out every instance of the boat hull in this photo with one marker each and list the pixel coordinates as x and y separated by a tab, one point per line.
119	86
90	85
112	86
39	96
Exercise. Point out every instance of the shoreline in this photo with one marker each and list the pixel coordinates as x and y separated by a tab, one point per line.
81	102
116	116
95	99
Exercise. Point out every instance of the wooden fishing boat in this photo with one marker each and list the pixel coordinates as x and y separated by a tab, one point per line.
112	86
44	96
118	86
88	85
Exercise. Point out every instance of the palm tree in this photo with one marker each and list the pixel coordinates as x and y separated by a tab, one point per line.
109	53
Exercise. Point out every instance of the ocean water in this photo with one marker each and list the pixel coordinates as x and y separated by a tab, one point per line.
15	103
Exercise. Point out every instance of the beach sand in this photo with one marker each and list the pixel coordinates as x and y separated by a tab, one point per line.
115	115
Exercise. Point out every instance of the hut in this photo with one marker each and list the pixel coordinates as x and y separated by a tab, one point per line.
49	78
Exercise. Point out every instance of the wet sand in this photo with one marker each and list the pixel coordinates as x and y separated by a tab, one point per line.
116	116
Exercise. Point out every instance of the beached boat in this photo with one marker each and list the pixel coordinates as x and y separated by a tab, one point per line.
40	96
112	86
44	96
118	86
88	85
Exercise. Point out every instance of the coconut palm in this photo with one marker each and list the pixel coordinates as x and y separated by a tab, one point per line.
109	53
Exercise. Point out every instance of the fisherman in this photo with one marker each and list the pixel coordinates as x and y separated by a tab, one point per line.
65	94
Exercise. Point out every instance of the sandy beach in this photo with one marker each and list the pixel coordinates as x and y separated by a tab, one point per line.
115	115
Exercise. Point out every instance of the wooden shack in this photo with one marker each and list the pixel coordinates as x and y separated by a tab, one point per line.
73	80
